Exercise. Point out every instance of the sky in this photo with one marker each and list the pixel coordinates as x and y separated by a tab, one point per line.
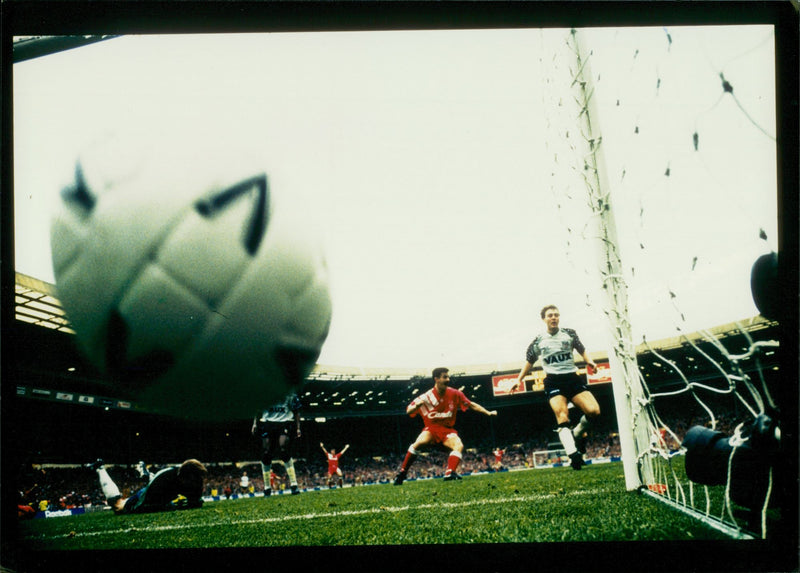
439	169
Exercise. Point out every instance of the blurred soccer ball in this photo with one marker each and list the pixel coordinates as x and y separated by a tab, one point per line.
186	283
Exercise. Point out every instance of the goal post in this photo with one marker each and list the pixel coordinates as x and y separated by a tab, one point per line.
627	388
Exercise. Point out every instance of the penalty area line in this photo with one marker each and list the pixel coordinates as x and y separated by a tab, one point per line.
321	515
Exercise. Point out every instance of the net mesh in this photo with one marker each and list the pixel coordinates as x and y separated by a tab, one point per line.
662	149
550	458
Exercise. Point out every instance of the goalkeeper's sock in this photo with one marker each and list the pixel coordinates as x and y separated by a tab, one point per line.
291	473
567	439
265	471
411	455
110	489
582	425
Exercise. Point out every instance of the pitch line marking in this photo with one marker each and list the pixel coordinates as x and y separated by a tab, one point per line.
325	515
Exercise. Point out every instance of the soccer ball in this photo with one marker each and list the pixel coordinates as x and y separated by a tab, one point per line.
186	282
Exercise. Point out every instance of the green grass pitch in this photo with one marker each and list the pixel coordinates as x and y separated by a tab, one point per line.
548	505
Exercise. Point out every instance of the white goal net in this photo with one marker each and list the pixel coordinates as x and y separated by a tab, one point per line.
550	458
663	146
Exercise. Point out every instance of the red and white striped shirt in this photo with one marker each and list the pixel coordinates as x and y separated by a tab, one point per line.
441	410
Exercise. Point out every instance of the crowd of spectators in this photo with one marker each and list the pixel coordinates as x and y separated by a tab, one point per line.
45	487
49	488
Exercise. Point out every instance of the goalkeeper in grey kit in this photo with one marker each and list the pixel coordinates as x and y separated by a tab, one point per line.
179	487
278	426
562	384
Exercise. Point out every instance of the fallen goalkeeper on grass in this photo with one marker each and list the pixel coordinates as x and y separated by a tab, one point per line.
178	487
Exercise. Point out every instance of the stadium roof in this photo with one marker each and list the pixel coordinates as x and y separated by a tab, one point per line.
36	304
28	47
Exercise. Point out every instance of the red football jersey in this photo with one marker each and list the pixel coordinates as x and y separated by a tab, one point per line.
441	410
333	462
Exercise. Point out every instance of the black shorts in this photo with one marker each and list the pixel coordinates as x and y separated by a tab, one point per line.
273	430
271	434
567	385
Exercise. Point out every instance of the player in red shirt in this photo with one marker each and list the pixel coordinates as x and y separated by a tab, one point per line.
273	481
438	408
333	463
498	458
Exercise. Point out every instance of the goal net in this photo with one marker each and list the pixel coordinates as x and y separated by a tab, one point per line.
550	458
663	148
